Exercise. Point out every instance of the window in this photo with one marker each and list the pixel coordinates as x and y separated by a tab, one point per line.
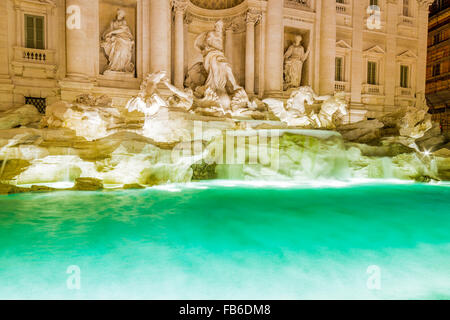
340	1
404	75
39	103
406	8
437	38
373	2
339	73
372	72
436	69
34	32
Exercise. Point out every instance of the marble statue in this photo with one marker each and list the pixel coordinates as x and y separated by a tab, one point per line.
148	101
294	58
220	74
295	114
118	43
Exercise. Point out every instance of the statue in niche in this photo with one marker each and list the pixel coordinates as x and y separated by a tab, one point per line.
294	112
294	58
210	44
220	87
118	43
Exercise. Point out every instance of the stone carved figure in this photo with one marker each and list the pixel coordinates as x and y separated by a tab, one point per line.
330	109
118	44
220	74
294	58
294	113
148	100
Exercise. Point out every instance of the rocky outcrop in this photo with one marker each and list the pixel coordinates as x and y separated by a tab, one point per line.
409	121
363	131
204	171
432	140
21	116
87	184
90	117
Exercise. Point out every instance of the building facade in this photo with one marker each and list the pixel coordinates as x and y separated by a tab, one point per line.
373	50
438	67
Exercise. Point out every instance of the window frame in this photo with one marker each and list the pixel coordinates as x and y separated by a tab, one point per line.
25	25
373	77
404	79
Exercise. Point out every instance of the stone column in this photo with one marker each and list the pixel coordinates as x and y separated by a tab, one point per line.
359	8
274	47
82	40
6	86
327	47
422	35
179	9
391	69
229	29
160	36
251	19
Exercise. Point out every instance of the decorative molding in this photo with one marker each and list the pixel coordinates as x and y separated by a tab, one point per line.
407	55
374	51
343	44
179	5
216	4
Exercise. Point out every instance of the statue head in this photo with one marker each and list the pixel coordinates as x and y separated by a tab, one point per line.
218	26
298	39
120	14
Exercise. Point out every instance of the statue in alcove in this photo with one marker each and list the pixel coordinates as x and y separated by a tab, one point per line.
294	58
210	44
220	87
118	44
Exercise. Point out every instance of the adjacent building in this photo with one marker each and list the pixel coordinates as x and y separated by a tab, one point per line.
438	68
373	50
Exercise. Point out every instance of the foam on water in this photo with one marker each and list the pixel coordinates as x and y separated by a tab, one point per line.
229	240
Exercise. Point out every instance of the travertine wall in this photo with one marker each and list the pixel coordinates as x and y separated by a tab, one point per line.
165	36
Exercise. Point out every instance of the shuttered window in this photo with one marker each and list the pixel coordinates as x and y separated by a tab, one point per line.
404	74
371	72
406	8
34	32
339	76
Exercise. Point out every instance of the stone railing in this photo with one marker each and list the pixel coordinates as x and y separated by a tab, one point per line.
404	92
341	86
373	89
343	7
34	55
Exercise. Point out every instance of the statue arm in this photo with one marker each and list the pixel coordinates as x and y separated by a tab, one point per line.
307	54
200	42
175	90
288	53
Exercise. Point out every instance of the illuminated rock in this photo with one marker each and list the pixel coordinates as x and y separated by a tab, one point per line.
21	116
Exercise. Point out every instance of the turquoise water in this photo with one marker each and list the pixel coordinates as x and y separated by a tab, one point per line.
206	241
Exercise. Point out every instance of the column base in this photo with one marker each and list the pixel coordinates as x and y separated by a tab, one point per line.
73	87
277	94
6	92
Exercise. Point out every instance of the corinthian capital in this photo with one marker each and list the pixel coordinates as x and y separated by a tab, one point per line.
179	5
252	16
424	4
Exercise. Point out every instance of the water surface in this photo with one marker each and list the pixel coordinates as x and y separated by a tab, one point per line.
232	241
